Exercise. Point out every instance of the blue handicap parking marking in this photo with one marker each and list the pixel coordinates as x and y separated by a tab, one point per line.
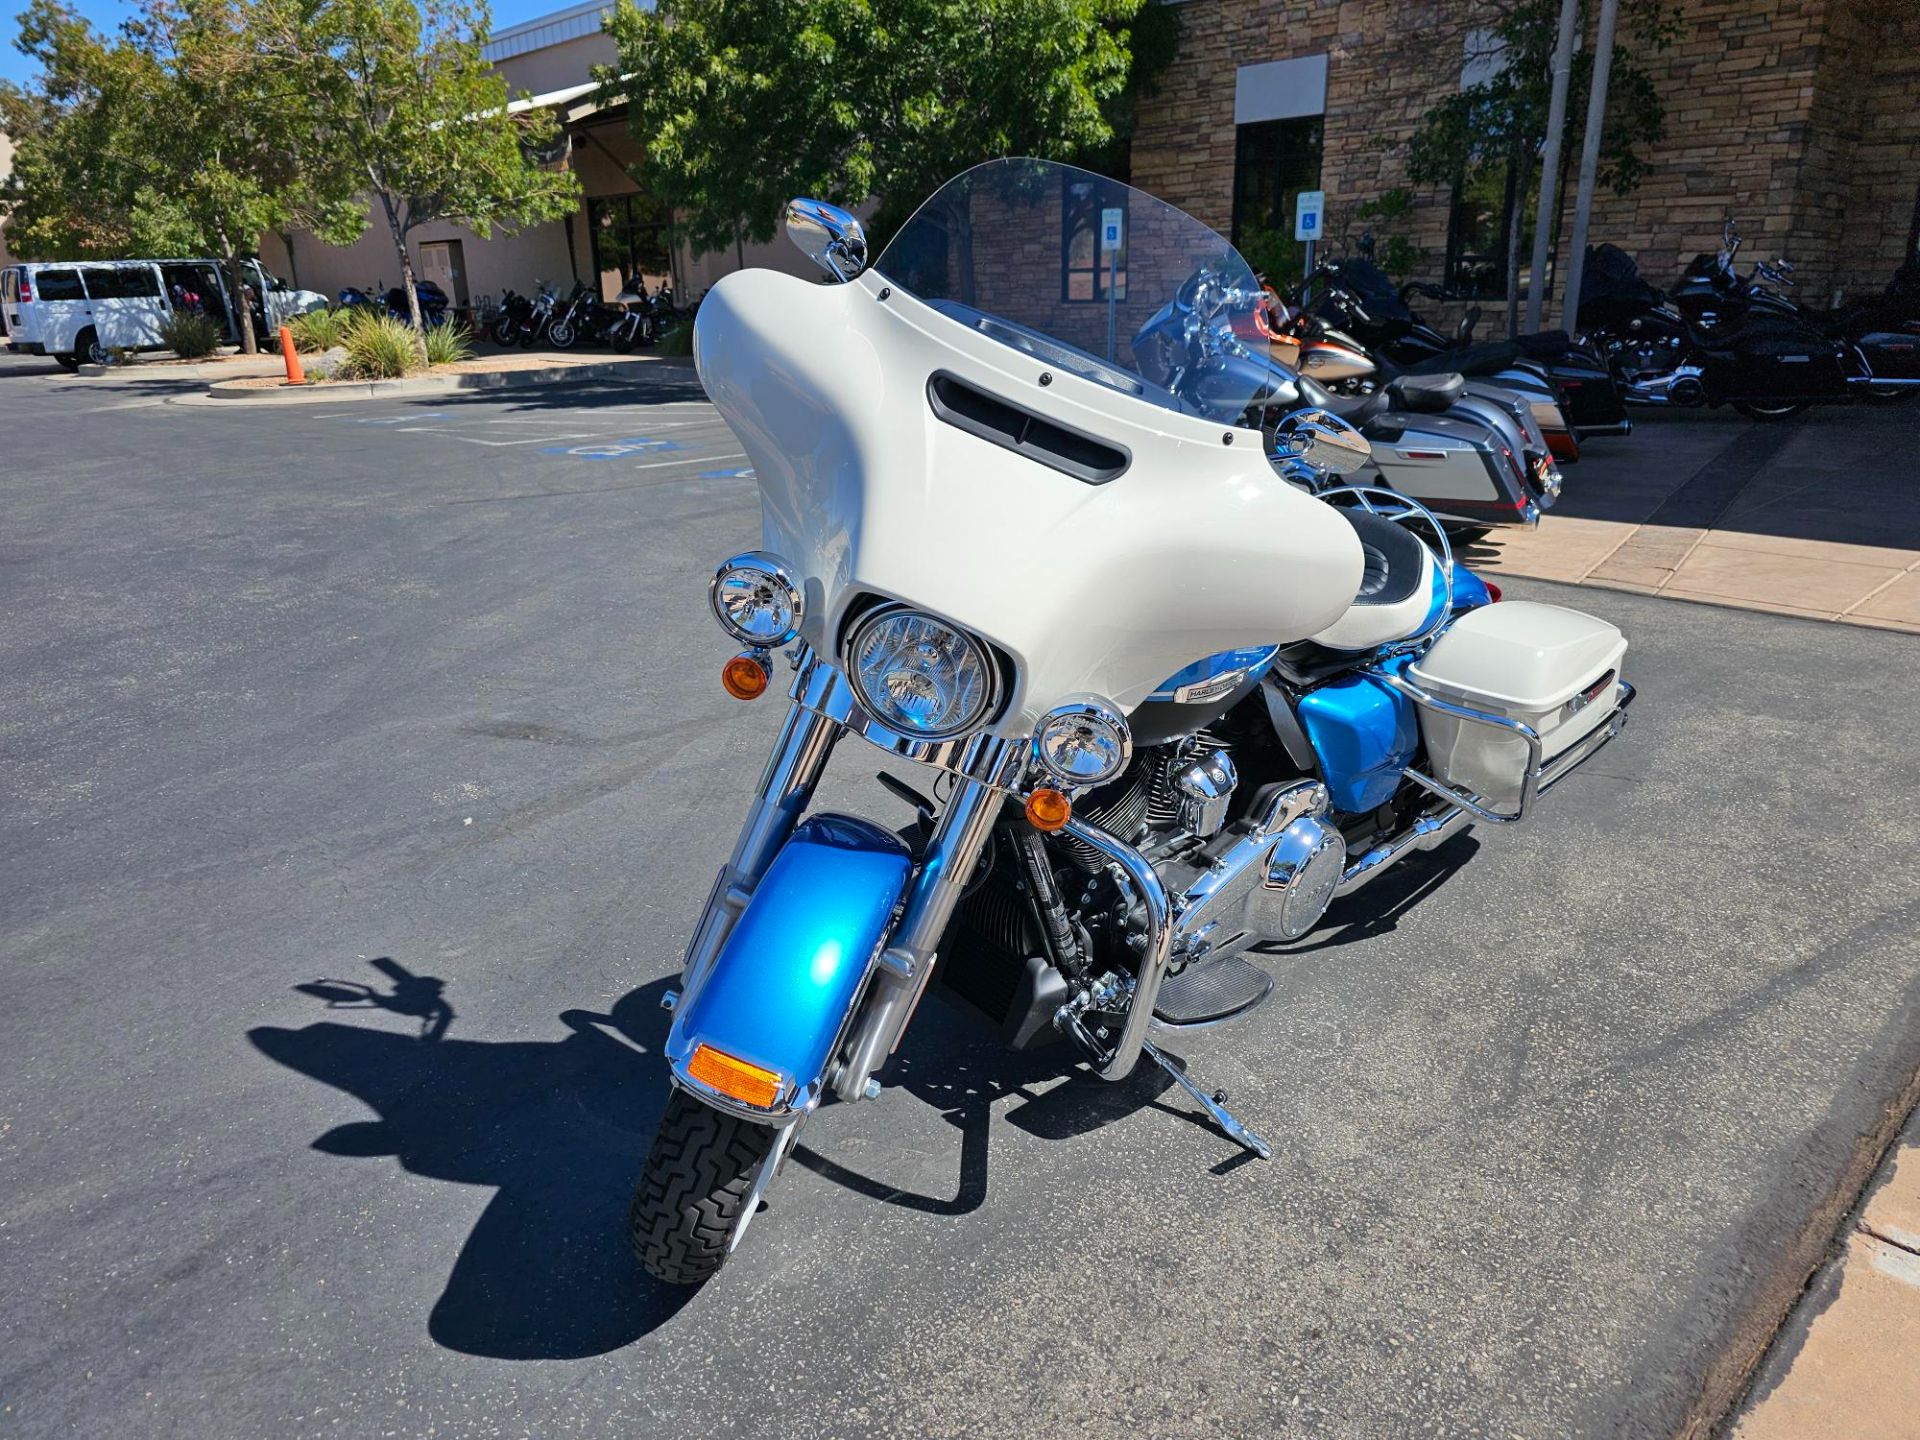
614	449
739	473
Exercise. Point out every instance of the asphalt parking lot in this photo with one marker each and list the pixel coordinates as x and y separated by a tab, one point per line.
416	706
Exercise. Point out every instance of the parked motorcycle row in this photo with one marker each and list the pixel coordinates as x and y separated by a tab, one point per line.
1489	454
1723	338
636	319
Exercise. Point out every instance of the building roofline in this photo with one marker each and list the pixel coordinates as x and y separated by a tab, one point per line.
554	28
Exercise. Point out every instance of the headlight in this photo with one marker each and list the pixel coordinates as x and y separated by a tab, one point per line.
919	674
756	600
1083	742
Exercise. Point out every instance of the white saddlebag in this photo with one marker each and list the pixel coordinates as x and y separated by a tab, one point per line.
1554	669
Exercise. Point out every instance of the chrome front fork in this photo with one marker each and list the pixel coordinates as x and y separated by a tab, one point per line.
786	789
900	975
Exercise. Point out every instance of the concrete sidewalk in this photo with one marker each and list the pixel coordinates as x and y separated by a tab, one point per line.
1818	517
1846	1365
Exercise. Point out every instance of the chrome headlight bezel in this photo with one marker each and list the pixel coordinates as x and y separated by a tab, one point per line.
1084	714
982	713
770	572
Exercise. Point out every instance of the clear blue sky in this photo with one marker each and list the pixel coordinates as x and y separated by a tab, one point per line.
107	14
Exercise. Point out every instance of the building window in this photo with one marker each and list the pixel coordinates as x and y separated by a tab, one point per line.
1273	162
631	239
1084	268
1478	223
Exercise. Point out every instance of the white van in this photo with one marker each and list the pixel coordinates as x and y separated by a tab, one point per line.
82	311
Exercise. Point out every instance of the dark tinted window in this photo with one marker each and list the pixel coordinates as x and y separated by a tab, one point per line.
121	282
57	285
1273	162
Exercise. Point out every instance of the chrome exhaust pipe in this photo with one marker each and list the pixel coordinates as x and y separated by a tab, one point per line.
1424	834
1680	386
1885	380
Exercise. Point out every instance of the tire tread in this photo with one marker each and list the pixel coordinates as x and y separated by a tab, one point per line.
691	1190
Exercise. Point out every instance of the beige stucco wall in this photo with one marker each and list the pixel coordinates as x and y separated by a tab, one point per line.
506	260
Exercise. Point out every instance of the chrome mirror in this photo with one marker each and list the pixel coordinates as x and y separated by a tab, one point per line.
829	236
1322	440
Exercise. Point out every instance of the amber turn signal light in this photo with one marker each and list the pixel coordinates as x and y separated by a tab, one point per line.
734	1077
745	677
1048	810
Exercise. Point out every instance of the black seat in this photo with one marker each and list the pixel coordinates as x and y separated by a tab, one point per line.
1489	357
1545	344
1356	410
1428	394
1395	558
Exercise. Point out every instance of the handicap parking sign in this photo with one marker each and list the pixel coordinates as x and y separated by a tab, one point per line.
1308	207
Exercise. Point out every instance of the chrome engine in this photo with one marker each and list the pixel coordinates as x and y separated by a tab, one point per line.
1268	876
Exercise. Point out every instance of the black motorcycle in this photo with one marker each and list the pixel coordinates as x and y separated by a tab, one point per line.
506	321
584	318
1357	296
1723	339
646	318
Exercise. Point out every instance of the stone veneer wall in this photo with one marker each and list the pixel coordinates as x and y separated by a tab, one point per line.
1799	117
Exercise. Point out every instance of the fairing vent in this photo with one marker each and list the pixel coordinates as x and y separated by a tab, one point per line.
1042	440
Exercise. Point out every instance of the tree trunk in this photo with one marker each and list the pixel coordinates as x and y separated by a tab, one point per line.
1519	171
414	316
293	264
238	309
406	272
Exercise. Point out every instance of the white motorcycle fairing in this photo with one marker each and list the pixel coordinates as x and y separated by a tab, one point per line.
1196	547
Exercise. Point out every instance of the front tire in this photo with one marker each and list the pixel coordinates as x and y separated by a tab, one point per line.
561	336
90	351
693	1190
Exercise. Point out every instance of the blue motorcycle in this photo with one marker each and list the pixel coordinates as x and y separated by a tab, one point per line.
1173	682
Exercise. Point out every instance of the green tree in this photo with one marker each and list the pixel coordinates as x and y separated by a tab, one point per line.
406	97
1485	140
741	104
182	135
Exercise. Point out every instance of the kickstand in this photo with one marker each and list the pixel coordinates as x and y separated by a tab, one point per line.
1214	1105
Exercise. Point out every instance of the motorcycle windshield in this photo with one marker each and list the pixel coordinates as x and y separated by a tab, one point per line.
1088	275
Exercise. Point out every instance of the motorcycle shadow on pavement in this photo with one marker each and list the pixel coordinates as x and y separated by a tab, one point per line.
557	1128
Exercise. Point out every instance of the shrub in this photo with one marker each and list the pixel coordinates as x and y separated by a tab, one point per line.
190	336
379	347
318	330
448	343
679	340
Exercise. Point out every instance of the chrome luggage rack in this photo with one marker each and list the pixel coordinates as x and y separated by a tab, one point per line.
1541	774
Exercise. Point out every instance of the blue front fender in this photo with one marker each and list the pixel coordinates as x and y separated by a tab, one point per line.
780	989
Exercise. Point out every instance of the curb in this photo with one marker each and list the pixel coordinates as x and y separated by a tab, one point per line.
183	370
438	384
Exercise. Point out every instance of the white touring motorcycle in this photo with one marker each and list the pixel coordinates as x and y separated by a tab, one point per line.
1177	695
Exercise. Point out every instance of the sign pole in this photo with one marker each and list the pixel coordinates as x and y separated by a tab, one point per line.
1112	224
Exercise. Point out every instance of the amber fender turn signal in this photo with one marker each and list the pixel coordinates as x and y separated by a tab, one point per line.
745	676
733	1077
1048	810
